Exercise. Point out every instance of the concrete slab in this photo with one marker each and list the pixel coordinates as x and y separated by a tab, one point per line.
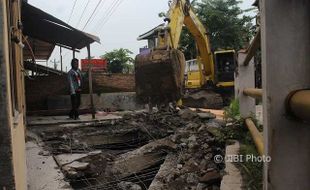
218	113
163	173
42	171
57	120
64	159
232	180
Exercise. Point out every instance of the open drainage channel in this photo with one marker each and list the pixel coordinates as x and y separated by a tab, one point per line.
140	151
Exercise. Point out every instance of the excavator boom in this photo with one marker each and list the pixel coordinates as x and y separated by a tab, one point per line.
160	72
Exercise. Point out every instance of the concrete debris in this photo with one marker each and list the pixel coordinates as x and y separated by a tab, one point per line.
168	149
201	186
187	114
211	177
64	159
206	115
78	165
44	153
128	186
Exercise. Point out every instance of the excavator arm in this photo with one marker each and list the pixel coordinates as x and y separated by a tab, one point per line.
180	14
159	74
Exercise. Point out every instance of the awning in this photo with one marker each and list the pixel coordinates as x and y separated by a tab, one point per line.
41	50
45	27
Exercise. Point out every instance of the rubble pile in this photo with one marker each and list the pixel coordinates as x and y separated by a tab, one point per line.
166	149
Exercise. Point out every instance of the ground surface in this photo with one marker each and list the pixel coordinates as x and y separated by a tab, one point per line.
167	149
43	172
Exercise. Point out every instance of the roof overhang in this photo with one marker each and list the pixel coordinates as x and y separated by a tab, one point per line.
41	50
152	33
42	26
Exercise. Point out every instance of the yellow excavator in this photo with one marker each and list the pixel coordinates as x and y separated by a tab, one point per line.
160	70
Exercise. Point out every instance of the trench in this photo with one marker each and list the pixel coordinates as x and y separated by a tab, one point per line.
112	141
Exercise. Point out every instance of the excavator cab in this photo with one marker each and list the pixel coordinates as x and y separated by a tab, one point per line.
225	65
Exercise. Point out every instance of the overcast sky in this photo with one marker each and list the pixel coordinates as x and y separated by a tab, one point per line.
117	23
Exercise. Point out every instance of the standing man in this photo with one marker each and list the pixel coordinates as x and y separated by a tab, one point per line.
75	82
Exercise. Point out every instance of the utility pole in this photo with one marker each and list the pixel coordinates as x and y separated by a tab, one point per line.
55	63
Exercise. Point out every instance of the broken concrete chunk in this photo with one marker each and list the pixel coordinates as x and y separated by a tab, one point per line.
211	177
206	115
124	185
192	138
201	186
192	178
44	153
78	165
216	132
179	166
187	114
72	174
94	153
64	159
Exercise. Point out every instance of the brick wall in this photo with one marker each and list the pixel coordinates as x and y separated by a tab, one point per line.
39	88
114	82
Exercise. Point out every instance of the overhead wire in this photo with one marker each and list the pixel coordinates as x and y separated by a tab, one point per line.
91	16
83	12
72	10
101	7
119	3
112	5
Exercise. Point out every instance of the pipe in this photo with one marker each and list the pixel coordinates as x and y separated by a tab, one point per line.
298	104
256	136
253	92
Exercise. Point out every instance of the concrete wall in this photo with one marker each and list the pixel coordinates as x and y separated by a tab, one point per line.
111	101
245	78
12	103
40	88
285	68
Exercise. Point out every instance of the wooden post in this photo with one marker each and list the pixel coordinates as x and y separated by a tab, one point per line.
90	79
60	49
73	53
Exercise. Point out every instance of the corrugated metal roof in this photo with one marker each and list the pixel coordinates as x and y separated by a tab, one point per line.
45	27
152	33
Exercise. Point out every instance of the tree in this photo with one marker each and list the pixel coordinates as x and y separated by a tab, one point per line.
119	60
226	24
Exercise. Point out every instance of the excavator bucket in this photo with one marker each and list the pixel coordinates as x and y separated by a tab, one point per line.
159	76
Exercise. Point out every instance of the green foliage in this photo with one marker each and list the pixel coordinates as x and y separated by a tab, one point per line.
161	15
119	60
232	112
253	170
227	26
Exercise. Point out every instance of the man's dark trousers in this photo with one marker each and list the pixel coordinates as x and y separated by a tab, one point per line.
75	103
